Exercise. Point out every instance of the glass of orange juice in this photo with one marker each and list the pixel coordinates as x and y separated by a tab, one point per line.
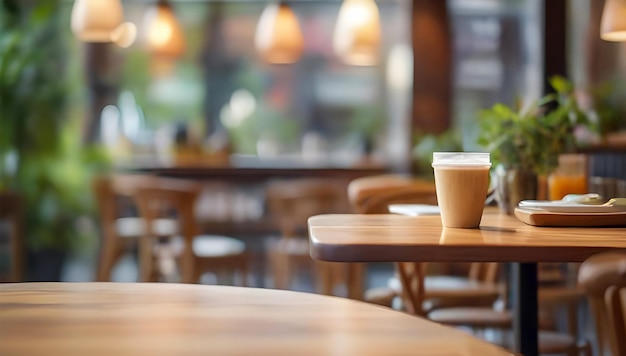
570	177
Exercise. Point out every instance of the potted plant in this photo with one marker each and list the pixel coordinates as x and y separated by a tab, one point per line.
41	154
422	152
526	142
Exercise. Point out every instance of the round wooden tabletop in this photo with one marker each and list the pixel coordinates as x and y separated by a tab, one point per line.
143	318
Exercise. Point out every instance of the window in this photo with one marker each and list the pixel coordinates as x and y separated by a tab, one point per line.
318	107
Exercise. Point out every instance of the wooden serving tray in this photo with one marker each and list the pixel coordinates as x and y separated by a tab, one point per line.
538	217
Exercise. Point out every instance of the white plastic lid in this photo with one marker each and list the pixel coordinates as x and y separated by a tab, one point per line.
470	159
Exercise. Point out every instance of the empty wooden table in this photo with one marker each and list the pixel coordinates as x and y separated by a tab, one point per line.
176	319
501	238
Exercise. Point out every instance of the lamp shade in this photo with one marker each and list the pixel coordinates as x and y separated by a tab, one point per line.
124	35
356	39
95	20
278	36
613	24
164	36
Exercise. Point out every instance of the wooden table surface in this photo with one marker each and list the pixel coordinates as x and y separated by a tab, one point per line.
501	238
176	319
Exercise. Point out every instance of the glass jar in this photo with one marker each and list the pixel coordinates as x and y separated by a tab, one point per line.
570	177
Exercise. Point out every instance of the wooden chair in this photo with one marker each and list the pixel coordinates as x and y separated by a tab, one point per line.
455	301
412	276
290	203
11	210
121	226
559	295
197	253
555	296
603	277
479	287
373	195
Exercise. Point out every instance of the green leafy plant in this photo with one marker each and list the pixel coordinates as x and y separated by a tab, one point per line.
426	144
531	139
41	153
607	109
367	121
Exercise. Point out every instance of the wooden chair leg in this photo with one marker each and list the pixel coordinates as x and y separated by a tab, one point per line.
280	269
572	318
597	312
108	257
243	269
17	247
355	280
323	277
146	269
197	274
187	266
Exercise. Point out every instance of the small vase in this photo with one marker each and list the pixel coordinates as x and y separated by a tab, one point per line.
513	186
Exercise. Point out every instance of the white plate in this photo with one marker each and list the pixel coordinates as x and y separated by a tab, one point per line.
558	206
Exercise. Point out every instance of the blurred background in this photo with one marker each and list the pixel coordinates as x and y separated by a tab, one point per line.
240	93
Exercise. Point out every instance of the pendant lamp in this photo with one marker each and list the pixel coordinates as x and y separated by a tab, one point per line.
164	36
95	20
356	39
278	36
613	23
124	35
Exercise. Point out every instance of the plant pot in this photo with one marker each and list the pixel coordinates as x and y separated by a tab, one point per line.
513	186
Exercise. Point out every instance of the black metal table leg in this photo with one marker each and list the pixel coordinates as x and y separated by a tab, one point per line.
524	287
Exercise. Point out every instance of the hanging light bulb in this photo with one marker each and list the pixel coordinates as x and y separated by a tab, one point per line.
613	24
357	33
164	36
278	36
95	20
124	35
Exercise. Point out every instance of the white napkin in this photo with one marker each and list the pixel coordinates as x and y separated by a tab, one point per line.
414	209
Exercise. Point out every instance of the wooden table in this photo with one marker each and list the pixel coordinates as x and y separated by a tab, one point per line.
248	176
252	170
501	238
176	319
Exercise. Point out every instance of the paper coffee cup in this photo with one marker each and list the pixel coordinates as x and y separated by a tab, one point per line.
462	182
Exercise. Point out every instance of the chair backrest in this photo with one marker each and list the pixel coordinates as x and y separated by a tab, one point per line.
373	194
11	210
291	202
603	277
113	191
167	198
